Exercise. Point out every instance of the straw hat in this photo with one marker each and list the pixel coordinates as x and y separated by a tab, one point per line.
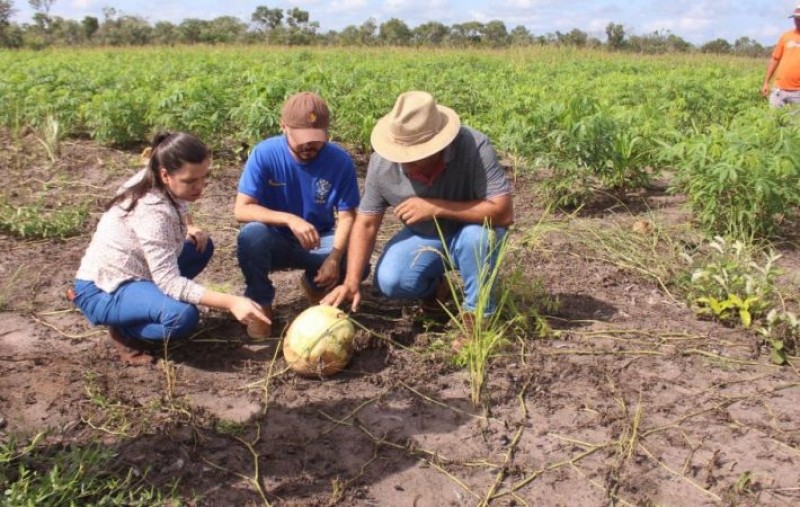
415	129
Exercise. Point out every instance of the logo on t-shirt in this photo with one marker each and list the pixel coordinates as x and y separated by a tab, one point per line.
321	191
793	44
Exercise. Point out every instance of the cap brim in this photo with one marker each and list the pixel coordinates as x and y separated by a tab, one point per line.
304	136
384	146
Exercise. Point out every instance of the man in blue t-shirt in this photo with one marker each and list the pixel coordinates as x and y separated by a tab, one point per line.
445	183
291	187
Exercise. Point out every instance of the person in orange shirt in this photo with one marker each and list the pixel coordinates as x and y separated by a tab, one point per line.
785	65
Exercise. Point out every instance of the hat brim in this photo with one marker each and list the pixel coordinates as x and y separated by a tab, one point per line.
304	136
383	144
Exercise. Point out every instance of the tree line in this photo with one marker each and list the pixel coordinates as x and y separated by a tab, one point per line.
295	27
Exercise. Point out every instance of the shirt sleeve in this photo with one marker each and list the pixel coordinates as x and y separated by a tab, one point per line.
777	53
349	198
373	203
496	181
253	174
156	226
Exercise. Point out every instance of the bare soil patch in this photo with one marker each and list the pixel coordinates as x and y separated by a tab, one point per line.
631	400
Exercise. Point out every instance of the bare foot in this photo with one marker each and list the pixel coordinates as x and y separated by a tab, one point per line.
130	352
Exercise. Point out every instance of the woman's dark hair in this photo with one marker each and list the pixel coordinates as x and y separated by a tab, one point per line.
170	151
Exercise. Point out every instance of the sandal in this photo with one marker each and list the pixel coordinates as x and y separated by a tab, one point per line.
130	351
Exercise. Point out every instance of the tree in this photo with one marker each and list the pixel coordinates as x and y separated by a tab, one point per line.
658	42
366	32
42	16
165	33
467	33
10	35
395	33
431	32
520	36
575	37
615	36
716	46
495	33
301	30
90	25
6	11
267	19
225	29
745	46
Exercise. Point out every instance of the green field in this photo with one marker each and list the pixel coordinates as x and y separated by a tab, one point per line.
601	121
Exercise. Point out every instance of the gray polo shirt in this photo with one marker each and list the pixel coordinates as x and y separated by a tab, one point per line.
472	172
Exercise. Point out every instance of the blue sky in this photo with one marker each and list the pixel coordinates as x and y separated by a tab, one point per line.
697	21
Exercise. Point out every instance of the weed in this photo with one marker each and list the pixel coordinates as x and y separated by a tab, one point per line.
731	286
485	331
781	331
49	135
39	221
33	474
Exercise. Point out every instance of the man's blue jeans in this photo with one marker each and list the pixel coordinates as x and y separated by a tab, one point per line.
263	249
138	309
411	266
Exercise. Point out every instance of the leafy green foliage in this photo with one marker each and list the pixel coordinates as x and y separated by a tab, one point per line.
33	474
593	148
781	331
742	179
731	286
38	221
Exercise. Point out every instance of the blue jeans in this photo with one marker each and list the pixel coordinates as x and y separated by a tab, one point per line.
262	249
411	266
138	309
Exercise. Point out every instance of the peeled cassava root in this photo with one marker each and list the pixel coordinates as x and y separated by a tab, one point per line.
319	342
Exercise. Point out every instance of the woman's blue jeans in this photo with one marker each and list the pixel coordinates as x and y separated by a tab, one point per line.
411	266
138	309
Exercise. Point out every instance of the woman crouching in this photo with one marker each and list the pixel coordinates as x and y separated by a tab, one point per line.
136	275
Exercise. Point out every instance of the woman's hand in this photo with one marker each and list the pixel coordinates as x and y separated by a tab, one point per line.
197	236
246	310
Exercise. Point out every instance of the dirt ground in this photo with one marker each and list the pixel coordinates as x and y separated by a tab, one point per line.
630	400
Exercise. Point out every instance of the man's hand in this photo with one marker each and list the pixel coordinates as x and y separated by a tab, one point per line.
414	210
765	90
305	233
328	273
342	293
197	236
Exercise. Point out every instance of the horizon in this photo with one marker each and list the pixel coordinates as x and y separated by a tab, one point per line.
697	22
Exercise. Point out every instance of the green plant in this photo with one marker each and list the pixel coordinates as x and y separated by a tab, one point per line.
743	178
593	147
49	136
781	332
485	329
68	475
39	221
731	286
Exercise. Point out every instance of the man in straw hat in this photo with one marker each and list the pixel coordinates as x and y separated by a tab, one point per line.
288	192
785	65
444	182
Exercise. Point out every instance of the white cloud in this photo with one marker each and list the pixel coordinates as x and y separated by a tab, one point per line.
347	5
82	4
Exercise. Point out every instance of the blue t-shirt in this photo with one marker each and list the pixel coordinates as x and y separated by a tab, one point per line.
311	190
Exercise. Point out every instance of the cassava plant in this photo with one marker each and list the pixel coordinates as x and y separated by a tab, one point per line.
742	179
